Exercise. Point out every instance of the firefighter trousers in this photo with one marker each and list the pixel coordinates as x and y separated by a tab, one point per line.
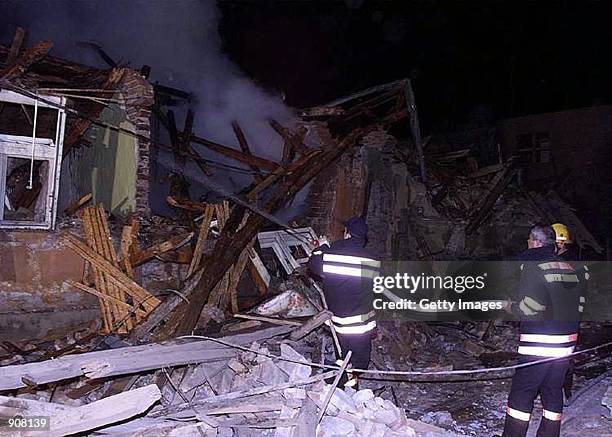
546	380
360	344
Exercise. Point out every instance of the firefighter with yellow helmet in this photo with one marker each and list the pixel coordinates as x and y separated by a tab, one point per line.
564	243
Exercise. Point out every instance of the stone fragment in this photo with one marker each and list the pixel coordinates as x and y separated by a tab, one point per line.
335	427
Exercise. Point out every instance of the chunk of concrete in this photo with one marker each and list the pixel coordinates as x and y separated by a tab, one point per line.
342	401
335	427
269	373
292	368
363	396
294	393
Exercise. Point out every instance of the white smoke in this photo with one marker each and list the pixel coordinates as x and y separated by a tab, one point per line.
181	43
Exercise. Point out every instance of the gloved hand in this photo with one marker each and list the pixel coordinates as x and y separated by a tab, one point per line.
323	241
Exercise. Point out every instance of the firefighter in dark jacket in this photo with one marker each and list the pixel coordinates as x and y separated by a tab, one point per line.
347	268
549	304
564	243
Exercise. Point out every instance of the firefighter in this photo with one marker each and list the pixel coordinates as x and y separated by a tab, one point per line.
549	306
565	248
567	251
347	267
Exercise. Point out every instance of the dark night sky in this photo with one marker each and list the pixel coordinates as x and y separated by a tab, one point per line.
472	62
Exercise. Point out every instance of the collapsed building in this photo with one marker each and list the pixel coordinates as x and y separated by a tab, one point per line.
90	276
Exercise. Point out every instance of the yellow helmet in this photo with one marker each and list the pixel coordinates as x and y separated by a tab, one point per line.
562	233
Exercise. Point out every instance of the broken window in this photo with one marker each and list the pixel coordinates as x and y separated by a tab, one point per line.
534	148
542	148
291	247
31	137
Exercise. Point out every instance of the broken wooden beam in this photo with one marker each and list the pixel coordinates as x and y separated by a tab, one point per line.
183	144
103	296
332	388
251	160
128	360
415	129
244	145
25	61
142	256
186	204
294	140
198	251
313	323
16	45
484	205
141	296
78	204
66	420
272	320
126	249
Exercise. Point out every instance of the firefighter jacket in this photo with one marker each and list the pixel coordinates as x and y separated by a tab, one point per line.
347	269
550	302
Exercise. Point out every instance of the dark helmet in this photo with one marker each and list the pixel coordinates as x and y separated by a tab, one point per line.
357	227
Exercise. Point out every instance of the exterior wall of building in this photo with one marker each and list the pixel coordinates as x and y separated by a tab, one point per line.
576	139
338	194
33	298
114	165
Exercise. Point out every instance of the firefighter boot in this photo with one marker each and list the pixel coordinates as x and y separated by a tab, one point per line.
549	428
515	427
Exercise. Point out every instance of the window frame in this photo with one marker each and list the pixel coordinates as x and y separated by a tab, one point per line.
45	149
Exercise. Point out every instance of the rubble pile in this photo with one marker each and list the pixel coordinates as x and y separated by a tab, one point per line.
260	388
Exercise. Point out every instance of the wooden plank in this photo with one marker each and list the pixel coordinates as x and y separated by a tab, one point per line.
97	274
482	208
294	141
98	246
66	420
313	323
148	301
251	160
236	273
123	317
198	251
126	244
280	172
176	242
244	145
259	273
186	204
129	360
181	256
95	292
272	320
415	129
16	46
332	388
78	204
258	407
25	61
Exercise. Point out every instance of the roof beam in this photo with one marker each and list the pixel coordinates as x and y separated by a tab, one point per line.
250	160
25	61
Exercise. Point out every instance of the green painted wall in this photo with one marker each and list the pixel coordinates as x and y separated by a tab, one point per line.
107	167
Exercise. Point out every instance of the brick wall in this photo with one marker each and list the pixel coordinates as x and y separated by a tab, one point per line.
141	97
365	174
337	194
